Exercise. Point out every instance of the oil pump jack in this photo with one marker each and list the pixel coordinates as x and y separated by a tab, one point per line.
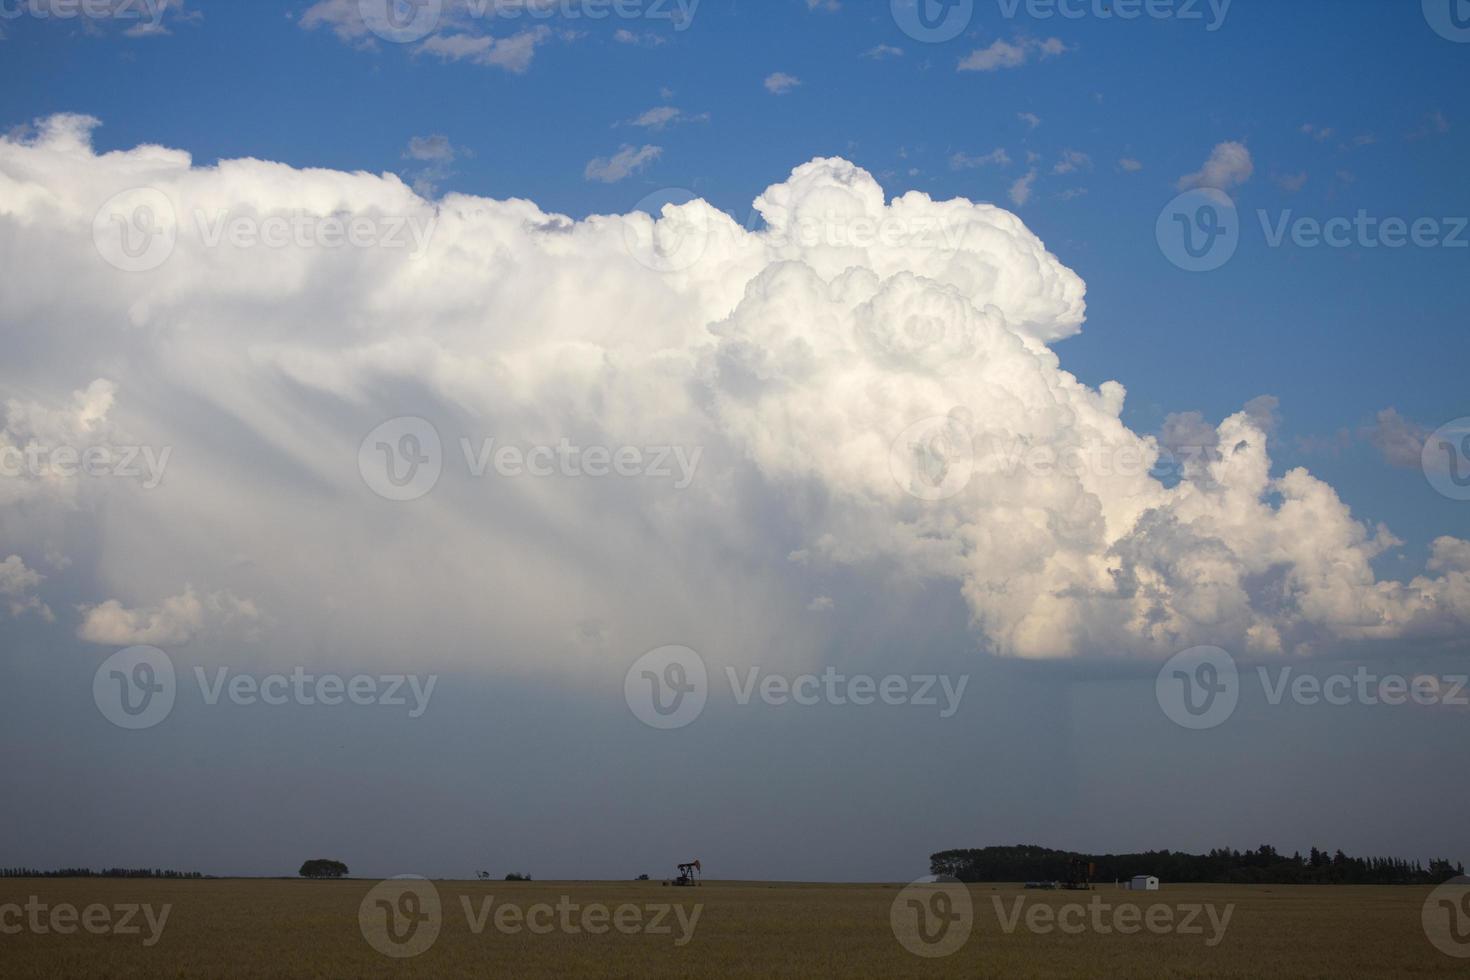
688	874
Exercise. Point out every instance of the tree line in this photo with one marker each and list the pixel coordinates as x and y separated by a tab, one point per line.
104	873
1028	862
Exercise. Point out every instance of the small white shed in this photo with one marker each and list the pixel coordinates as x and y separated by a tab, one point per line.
1143	883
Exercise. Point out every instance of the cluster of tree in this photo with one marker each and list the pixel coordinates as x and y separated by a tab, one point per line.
323	868
104	873
1028	862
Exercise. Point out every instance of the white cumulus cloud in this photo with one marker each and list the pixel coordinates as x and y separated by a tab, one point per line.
17	589
1228	166
1002	54
1021	189
779	83
175	621
622	164
873	384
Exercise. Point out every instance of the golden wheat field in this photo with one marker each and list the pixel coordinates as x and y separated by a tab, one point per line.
297	928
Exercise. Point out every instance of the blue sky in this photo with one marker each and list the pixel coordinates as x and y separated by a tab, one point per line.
1336	334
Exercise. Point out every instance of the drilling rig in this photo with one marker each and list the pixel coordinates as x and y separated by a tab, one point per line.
1079	875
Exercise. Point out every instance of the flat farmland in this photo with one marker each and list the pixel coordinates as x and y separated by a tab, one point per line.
363	928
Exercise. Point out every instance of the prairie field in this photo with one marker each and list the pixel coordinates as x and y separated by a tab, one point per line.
297	928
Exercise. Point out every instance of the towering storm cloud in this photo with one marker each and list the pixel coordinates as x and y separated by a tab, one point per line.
637	428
